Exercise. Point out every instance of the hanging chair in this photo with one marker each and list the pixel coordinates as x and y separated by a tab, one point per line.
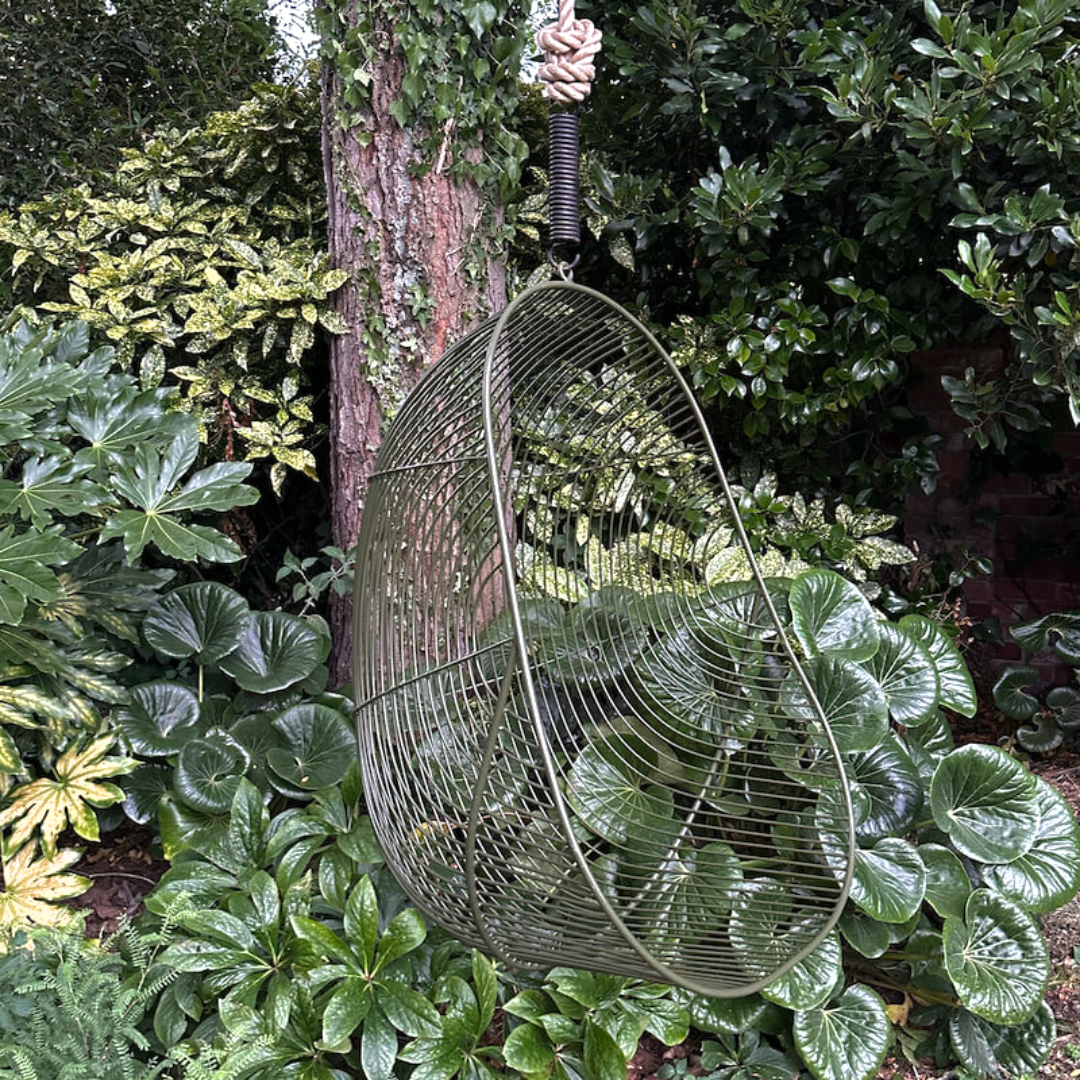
577	748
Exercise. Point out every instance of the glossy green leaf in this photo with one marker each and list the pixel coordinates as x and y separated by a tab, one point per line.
276	650
159	718
956	690
1015	1050
1010	694
1036	634
887	791
831	617
730	1015
592	646
906	673
405	932
603	1058
852	701
1047	875
866	936
208	772
986	803
378	1046
947	883
362	921
528	1049
996	958
25	574
319	747
612	803
204	620
889	881
845	1039
143	789
1042	737
408	1010
811	981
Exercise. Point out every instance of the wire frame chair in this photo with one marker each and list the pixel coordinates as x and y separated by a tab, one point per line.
575	749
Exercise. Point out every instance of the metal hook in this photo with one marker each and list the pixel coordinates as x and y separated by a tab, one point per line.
564	269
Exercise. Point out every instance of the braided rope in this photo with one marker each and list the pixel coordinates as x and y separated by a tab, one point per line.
570	46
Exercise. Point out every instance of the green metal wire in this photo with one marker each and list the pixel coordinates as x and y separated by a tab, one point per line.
636	778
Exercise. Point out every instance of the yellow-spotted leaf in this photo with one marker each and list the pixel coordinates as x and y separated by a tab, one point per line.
32	887
67	797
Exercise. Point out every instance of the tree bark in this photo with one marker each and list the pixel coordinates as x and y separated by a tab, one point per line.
404	228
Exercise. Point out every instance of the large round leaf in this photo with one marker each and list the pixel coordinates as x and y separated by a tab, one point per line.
204	621
889	880
853	703
760	925
990	1049
811	981
593	646
905	671
830	616
614	805
320	747
947	883
276	650
159	718
956	690
1011	696
721	1015
1048	874
690	892
934	735
845	1039
208	772
685	700
538	617
996	958
143	789
866	936
887	791
986	803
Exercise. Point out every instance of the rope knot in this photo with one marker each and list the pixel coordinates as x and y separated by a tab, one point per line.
570	46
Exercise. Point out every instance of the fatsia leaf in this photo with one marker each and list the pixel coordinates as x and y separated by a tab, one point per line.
957	691
25	559
47	485
67	797
996	958
33	885
1047	875
831	617
203	620
152	481
846	1038
986	803
113	422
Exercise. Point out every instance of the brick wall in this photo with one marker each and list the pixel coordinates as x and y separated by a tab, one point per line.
1029	525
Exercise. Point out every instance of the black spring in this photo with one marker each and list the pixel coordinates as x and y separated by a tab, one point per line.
564	178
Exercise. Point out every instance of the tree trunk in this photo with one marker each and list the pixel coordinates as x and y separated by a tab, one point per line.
405	230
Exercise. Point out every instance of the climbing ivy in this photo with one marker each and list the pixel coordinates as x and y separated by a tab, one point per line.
462	61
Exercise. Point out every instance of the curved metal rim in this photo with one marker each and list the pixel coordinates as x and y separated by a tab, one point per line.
664	972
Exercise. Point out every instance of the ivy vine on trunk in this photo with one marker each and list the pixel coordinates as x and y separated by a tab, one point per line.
417	99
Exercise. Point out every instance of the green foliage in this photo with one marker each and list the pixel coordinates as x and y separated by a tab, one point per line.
201	258
788	184
74	1009
1045	720
78	84
462	62
242	695
957	849
86	454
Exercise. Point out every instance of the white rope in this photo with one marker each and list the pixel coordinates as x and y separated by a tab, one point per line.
570	46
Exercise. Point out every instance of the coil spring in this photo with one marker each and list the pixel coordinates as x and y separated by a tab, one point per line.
564	179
